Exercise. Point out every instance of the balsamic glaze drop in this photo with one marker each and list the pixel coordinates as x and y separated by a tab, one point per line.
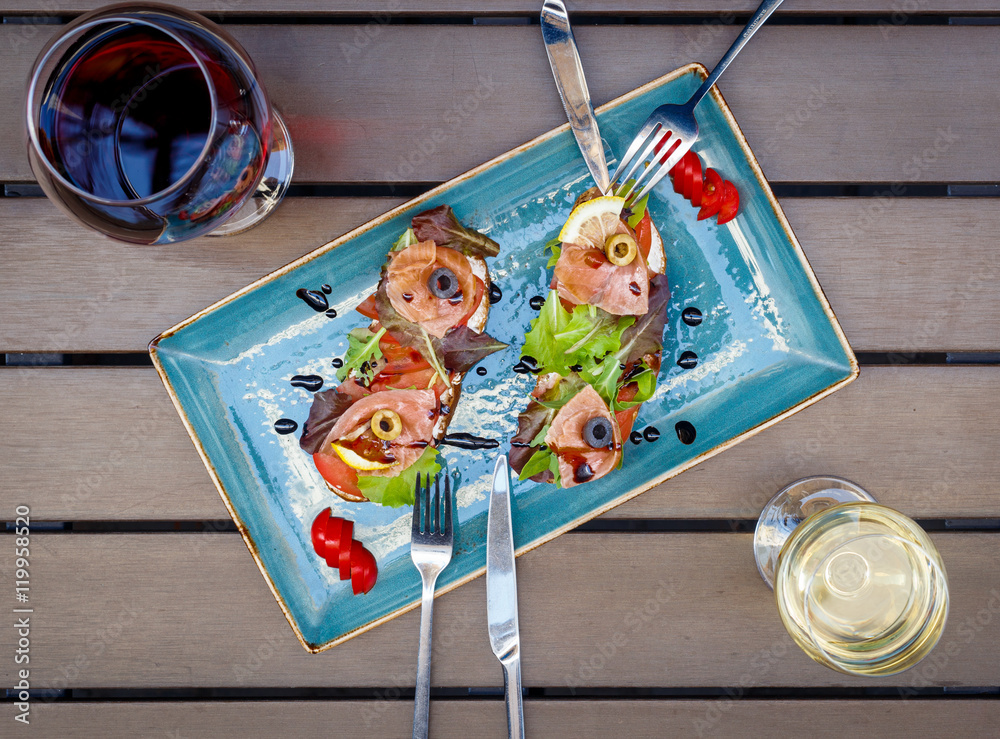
688	360
326	288
537	302
685	432
481	371
691	316
496	294
312	383
530	362
651	433
332	313
635	437
468	441
337	362
445	409
314	299
633	287
285	426
521	369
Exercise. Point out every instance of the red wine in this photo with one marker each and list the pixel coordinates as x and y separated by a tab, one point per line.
129	114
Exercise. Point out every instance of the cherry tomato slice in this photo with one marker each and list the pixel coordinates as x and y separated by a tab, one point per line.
711	199
344	559
334	527
319	532
338	474
367	308
730	202
697	181
357	567
371	571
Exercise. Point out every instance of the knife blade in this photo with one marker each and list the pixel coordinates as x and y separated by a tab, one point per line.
501	595
568	73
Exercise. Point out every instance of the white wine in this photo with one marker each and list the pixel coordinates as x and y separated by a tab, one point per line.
862	589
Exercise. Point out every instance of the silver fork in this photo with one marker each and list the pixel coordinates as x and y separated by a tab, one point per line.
673	128
430	549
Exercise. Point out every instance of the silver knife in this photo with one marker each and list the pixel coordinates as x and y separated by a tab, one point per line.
568	72
501	595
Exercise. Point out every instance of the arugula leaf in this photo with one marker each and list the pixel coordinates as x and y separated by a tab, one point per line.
646	381
560	340
395	492
407	239
442	227
539	462
327	408
363	349
554	246
638	211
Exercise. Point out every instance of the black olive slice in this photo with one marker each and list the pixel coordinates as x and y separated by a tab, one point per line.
597	433
443	283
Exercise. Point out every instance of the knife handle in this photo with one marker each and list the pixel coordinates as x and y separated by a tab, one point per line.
512	694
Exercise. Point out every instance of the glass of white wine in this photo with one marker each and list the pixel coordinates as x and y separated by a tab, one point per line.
860	587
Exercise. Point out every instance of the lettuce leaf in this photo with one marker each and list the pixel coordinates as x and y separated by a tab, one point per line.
527	446
395	492
362	350
642	338
327	408
407	239
554	246
442	227
559	340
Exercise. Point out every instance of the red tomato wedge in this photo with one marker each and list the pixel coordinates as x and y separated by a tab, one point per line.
644	234
371	574
711	199
331	553
400	359
697	183
338	473
730	202
319	532
367	308
344	555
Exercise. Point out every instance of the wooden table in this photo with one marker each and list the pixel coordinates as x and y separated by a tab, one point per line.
876	122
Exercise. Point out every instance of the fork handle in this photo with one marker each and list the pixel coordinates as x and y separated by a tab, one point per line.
756	21
422	700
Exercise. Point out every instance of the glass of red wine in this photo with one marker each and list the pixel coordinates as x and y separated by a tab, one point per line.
149	124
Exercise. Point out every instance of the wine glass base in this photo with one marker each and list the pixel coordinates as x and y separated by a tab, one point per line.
790	507
273	185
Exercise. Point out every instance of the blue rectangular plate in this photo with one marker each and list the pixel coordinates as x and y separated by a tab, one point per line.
768	346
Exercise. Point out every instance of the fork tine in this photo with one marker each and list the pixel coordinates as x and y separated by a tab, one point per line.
662	172
633	149
448	530
435	527
416	507
650	154
658	134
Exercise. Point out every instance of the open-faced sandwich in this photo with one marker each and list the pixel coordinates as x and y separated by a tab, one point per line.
401	377
597	344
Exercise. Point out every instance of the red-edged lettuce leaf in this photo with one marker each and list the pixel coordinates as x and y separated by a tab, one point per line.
328	406
459	350
442	227
645	336
462	348
533	419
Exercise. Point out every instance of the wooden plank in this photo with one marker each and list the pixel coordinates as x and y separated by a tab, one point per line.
896	11
618	610
645	719
889	267
818	103
922	439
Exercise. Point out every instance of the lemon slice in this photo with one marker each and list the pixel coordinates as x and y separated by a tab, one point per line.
592	222
351	459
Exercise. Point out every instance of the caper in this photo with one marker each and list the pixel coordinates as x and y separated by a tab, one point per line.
597	433
443	283
621	249
386	424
